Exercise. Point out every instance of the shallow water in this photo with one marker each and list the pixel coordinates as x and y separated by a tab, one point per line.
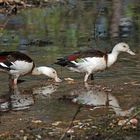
116	90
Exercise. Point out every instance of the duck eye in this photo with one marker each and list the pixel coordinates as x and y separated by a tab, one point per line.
53	71
124	46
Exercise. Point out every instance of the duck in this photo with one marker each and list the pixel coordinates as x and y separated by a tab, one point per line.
91	61
17	64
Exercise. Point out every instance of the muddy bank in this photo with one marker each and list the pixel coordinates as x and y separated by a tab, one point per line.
79	118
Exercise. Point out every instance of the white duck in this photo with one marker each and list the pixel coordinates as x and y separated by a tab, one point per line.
91	61
19	64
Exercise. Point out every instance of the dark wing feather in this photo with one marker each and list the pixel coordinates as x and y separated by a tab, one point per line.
91	53
8	57
66	61
13	56
3	56
84	54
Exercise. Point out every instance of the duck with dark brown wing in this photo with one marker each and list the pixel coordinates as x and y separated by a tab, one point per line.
92	61
19	64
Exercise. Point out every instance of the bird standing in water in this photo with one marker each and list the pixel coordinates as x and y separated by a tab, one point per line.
92	61
18	64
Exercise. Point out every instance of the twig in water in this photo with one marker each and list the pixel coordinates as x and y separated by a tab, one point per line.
71	124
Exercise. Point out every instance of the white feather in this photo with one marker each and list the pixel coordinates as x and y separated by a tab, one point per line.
3	65
21	67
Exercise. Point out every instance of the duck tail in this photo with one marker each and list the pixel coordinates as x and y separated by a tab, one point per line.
64	62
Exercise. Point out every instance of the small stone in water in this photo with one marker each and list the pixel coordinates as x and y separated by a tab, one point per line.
134	121
21	131
69	79
70	131
36	121
121	122
25	138
38	136
56	123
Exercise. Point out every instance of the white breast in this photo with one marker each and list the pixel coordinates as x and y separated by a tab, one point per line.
21	67
92	64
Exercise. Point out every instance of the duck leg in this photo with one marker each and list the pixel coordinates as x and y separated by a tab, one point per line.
91	76
86	77
10	80
13	80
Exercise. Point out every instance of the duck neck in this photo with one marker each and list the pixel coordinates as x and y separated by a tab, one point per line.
112	57
115	52
35	71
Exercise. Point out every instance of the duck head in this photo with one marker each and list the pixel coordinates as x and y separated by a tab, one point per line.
48	71
123	47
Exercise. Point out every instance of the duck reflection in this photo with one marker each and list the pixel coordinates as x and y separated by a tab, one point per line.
16	99
97	98
21	99
45	90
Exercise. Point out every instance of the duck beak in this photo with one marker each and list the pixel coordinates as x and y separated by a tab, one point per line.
58	80
131	52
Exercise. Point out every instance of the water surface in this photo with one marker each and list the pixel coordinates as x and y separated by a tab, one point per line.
47	34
